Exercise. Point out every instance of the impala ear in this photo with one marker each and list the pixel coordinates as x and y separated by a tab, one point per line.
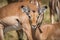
42	10
25	9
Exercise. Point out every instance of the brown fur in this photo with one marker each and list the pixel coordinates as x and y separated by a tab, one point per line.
48	30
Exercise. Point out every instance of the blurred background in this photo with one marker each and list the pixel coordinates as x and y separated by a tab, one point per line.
13	35
4	2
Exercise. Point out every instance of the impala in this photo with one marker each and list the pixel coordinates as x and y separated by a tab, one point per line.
35	2
54	8
11	15
49	30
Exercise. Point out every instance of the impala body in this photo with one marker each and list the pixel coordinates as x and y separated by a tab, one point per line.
21	15
10	13
50	31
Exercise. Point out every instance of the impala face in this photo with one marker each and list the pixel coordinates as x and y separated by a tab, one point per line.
36	17
35	14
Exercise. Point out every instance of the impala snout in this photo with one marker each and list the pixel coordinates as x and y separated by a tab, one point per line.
34	26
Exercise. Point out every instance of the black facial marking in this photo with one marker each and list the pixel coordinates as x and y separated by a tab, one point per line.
18	21
37	17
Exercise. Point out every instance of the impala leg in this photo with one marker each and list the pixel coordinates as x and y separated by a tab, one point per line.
51	6
52	19
58	14
52	16
1	32
24	34
21	35
28	33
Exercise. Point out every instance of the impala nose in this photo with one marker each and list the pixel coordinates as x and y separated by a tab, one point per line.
33	26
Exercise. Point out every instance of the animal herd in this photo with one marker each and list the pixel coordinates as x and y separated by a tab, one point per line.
27	16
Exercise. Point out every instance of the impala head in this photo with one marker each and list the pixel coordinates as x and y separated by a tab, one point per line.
34	14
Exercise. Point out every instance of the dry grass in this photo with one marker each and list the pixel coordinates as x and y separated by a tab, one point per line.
11	35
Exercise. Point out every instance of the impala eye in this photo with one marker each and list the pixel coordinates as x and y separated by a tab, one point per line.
33	11
22	6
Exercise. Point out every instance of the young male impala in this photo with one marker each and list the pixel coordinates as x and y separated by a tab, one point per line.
18	16
50	31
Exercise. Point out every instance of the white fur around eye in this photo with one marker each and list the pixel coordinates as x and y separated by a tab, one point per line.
43	9
26	9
